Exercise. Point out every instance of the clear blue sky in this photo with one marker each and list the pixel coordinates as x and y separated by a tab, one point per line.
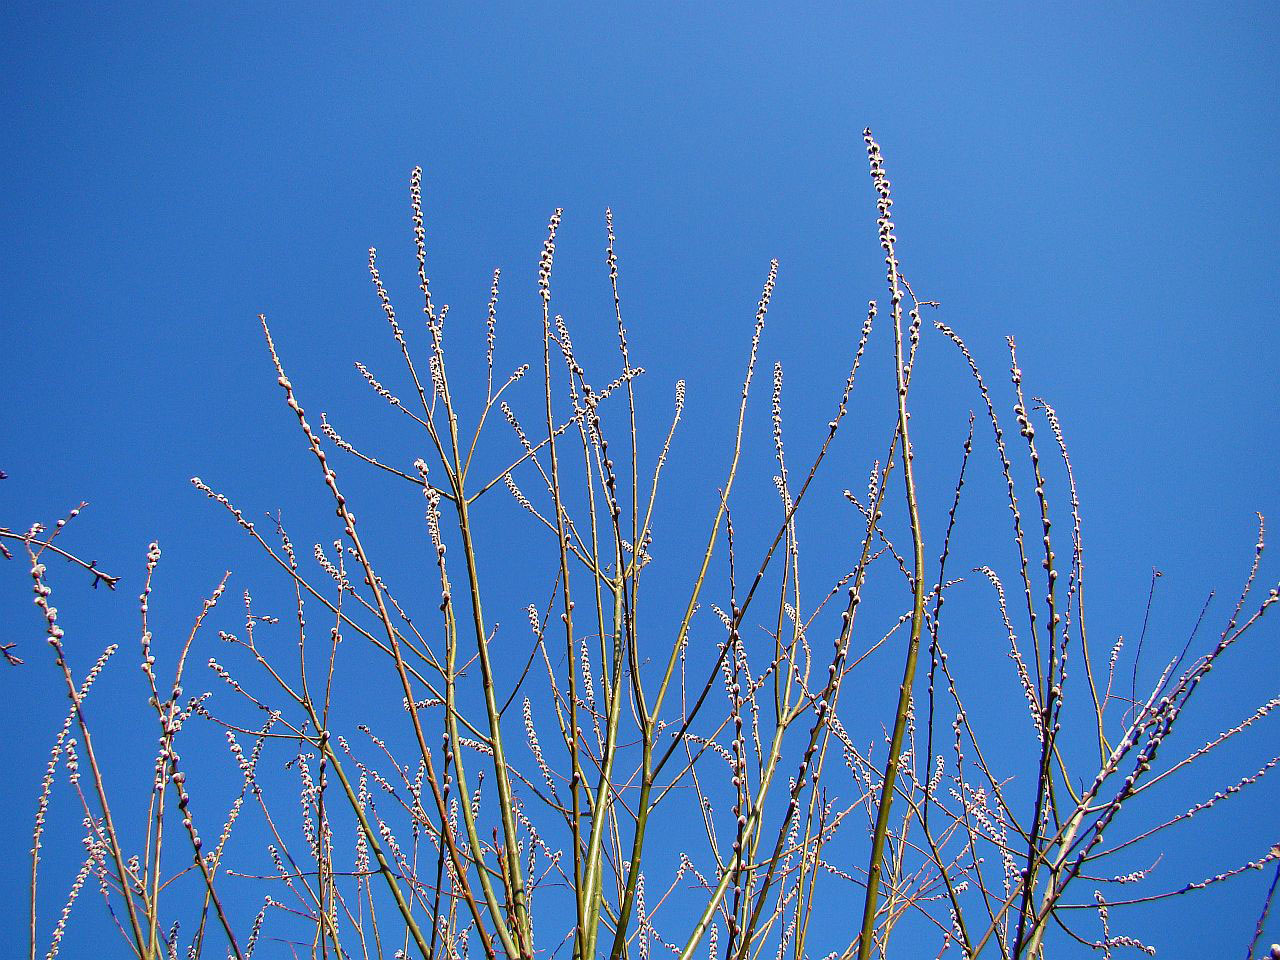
1101	181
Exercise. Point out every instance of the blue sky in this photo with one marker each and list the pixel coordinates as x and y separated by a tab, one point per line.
1098	181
